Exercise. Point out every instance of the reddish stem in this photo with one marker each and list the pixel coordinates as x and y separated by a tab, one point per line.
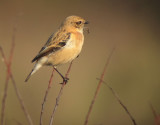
59	95
98	87
45	97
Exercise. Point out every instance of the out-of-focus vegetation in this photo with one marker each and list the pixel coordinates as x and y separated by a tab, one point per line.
133	72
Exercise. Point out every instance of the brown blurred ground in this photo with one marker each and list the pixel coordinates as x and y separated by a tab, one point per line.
133	72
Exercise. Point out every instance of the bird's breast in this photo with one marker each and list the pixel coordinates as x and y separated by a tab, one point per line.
69	52
75	41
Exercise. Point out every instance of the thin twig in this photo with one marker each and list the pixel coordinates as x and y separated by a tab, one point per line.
120	102
156	115
21	101
4	99
9	75
45	97
98	87
3	56
59	95
13	45
8	64
153	110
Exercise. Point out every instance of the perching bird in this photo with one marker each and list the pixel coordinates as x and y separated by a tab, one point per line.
63	46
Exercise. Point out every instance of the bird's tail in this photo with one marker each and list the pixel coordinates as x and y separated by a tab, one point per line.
36	67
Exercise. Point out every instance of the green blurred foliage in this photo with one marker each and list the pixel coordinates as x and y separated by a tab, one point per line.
133	25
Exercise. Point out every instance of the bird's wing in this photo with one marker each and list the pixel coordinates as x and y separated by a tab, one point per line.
54	43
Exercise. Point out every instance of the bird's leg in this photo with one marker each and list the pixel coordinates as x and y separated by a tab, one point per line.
65	79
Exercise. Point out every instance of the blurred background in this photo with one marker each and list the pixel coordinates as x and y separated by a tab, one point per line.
133	25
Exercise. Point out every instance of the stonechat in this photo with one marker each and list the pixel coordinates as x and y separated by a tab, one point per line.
63	46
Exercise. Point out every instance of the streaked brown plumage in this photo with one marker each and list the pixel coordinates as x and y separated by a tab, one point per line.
63	46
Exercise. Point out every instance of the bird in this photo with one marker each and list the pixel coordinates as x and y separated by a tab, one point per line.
62	46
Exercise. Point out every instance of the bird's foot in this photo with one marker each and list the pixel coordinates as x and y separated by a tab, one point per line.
65	80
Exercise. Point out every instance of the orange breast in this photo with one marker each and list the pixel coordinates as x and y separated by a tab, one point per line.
69	52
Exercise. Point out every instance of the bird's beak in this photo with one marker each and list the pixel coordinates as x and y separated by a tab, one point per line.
87	22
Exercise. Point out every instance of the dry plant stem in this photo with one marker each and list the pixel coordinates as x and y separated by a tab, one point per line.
98	87
21	101
59	95
9	74
12	46
156	116
120	102
153	110
4	99
45	97
8	64
3	56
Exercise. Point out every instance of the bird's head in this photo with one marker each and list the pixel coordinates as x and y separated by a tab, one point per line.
74	23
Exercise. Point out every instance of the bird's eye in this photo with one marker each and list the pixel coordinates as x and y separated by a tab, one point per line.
79	22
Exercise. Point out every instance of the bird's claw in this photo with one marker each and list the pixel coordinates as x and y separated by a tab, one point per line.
65	80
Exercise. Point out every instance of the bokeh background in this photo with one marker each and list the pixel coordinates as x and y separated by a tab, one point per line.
134	71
